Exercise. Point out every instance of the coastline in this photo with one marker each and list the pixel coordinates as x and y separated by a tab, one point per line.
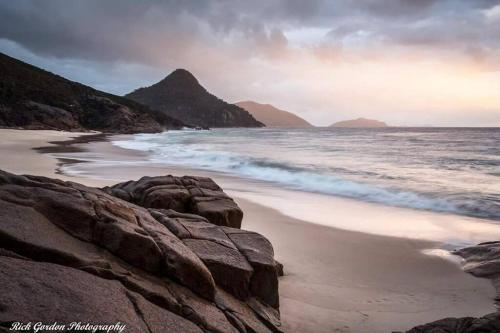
347	282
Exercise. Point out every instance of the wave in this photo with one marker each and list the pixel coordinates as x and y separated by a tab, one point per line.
298	177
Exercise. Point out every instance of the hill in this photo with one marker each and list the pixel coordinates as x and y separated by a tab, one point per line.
33	98
360	122
272	116
181	96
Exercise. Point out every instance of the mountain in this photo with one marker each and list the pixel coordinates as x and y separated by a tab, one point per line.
272	116
33	98
181	96
360	122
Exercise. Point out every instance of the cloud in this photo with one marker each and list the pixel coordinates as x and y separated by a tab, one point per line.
148	30
277	50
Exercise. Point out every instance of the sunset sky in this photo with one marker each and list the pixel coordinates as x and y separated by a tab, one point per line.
406	62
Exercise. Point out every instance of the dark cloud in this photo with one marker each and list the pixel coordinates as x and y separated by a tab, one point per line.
117	45
152	31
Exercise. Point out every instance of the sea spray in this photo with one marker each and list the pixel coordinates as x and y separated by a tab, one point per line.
443	170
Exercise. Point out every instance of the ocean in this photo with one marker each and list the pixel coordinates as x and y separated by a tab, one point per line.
451	170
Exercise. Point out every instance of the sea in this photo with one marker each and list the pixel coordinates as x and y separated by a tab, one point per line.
447	170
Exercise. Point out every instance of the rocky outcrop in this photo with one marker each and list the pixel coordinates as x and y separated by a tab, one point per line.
241	262
483	260
197	195
69	294
181	96
69	252
487	324
32	98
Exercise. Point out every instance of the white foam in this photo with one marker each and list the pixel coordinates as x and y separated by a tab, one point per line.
193	156
444	254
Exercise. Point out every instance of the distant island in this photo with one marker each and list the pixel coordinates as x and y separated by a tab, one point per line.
272	116
360	123
181	96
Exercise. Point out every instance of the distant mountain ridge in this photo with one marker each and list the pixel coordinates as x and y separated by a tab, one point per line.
272	116
181	96
360	122
33	98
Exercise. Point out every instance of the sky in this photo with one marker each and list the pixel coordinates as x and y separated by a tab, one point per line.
405	62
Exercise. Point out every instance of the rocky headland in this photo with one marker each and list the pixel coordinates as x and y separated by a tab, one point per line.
161	254
272	116
181	96
32	98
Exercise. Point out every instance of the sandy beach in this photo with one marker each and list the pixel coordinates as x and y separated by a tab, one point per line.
335	280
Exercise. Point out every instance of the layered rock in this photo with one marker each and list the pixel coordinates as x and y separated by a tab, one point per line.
487	324
197	195
69	252
241	262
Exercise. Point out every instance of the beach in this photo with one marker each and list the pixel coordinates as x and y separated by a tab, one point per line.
336	280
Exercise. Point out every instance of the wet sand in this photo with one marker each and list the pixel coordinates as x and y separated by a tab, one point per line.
335	280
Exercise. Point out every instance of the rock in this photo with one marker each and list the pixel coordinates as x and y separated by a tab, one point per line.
219	211
159	320
228	266
194	195
52	116
280	269
208	231
47	293
127	231
488	323
240	261
481	260
209	317
179	261
242	314
71	246
172	223
268	314
260	254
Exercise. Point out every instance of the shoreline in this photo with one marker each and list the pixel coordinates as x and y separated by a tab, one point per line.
335	280
451	231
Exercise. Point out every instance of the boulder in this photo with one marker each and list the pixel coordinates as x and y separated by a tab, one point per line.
483	260
228	266
48	293
220	211
241	262
195	195
69	252
486	324
260	254
125	230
